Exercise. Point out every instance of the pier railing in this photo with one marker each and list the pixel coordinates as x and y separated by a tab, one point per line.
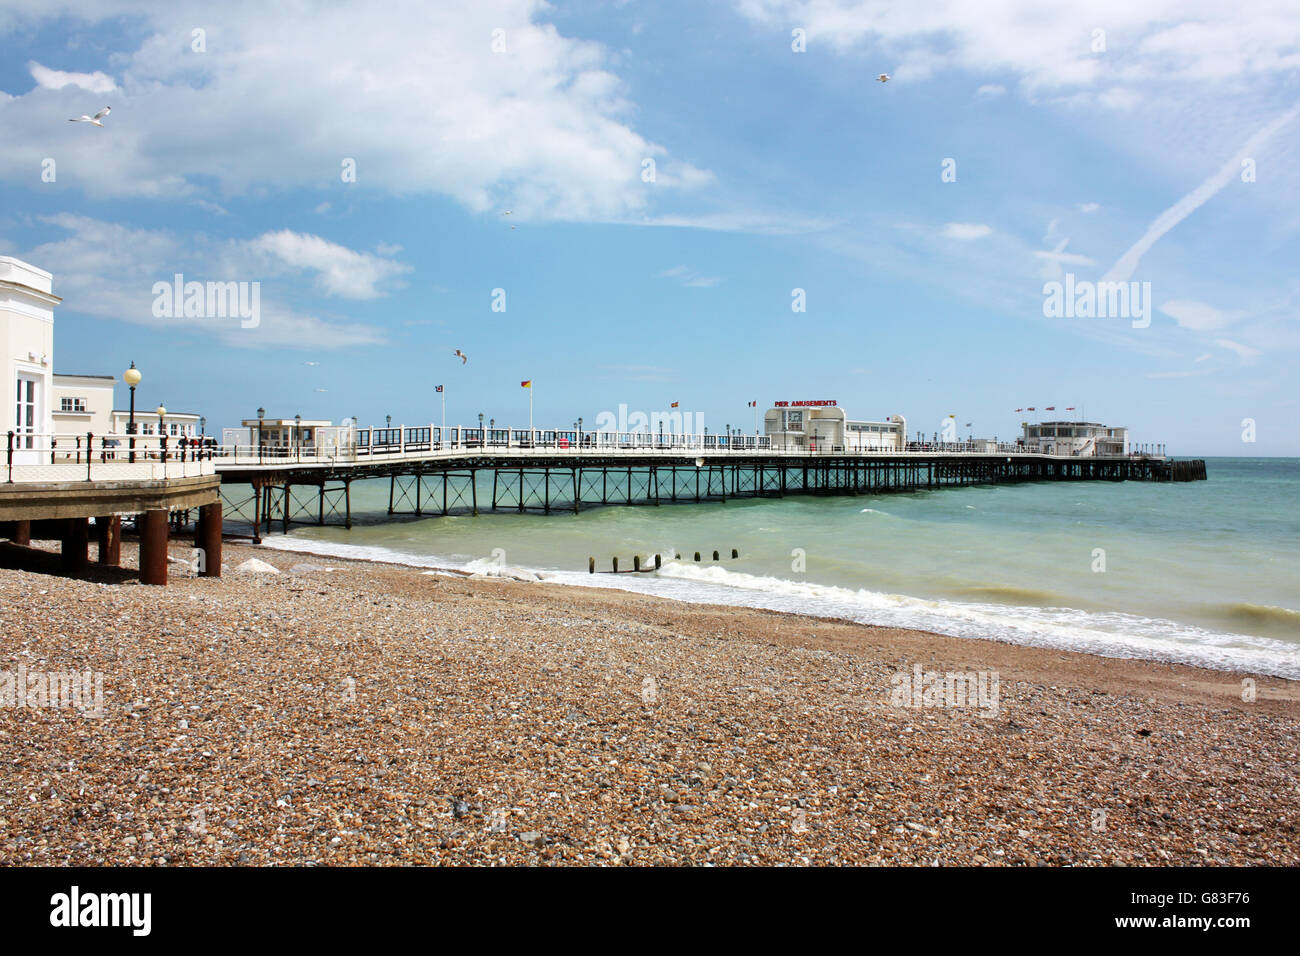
86	456
433	441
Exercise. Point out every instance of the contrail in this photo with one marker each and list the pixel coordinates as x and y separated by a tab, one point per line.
1124	267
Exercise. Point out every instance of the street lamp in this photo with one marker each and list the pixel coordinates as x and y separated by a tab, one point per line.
481	436
162	430
297	434
388	421
261	413
132	378
203	426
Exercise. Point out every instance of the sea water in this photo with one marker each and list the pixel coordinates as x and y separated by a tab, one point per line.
1199	572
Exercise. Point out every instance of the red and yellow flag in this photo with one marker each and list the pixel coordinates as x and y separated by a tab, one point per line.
527	384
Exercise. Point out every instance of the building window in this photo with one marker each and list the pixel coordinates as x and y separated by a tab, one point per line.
72	405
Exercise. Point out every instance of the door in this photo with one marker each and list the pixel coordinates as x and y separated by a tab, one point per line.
27	416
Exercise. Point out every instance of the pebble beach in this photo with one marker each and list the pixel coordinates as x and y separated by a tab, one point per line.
338	712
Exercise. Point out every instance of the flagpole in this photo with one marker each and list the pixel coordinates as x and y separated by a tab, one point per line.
530	410
442	435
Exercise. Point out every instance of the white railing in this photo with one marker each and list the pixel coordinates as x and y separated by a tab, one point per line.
432	441
67	456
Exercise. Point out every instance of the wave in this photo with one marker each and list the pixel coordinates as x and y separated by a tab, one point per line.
1104	633
1007	593
1268	616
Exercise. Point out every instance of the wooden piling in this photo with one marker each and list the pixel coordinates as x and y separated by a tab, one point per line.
153	547
108	533
208	539
75	549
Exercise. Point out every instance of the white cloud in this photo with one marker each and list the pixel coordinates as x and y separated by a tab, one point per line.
418	99
1088	207
96	82
966	230
690	277
108	270
1199	316
991	89
1050	45
340	271
1244	352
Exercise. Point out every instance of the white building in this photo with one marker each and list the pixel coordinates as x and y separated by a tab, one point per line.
172	424
83	403
27	332
823	425
1084	439
288	436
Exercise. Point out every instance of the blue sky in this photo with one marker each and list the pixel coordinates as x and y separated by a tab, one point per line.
1112	155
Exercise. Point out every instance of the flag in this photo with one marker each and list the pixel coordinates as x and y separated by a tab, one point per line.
675	404
437	388
527	384
1070	408
753	404
1020	409
1031	408
1049	408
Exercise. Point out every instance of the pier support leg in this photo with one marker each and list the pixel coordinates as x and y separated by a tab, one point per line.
208	539
153	547
108	532
75	550
576	475
288	503
473	488
257	513
22	533
321	519
347	505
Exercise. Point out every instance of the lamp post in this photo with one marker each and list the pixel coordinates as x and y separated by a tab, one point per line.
162	430
297	435
203	426
261	413
481	442
579	431
132	378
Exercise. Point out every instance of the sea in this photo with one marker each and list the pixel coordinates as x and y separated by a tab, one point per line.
1204	572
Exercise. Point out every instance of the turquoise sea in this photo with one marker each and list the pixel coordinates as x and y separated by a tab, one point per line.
1203	572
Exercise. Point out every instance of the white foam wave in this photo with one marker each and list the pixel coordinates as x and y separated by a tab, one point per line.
1106	634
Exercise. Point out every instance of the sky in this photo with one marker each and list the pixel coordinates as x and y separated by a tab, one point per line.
640	203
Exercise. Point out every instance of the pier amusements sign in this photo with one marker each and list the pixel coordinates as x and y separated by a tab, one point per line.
823	403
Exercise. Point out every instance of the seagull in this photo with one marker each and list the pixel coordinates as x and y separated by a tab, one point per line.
883	78
463	357
311	363
93	120
322	389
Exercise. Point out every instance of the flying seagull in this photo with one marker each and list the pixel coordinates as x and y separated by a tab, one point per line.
311	363
93	120
883	78
463	357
